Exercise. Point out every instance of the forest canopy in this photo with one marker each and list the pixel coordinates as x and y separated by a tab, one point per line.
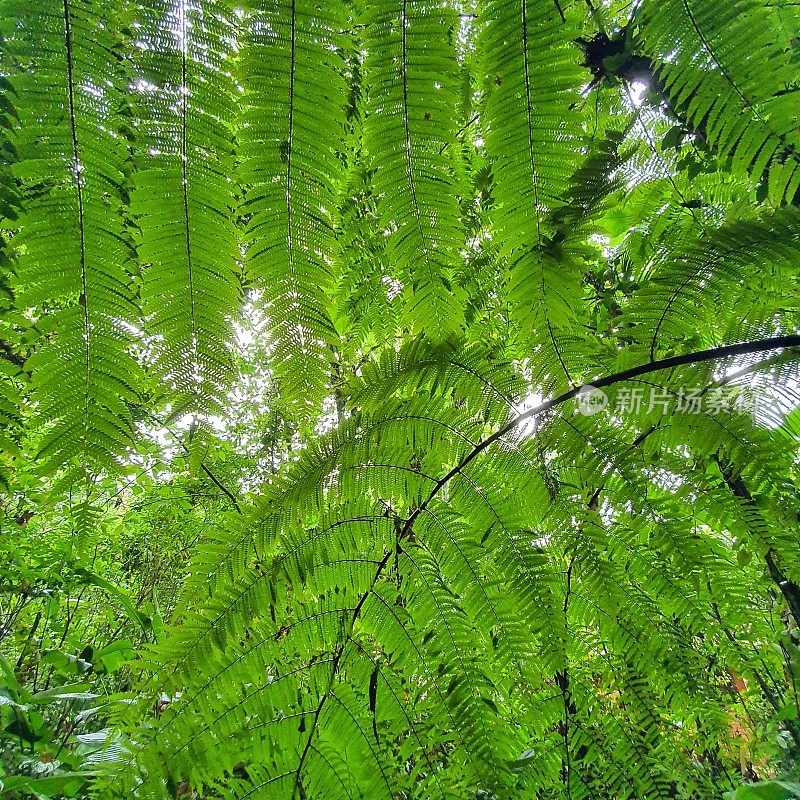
400	399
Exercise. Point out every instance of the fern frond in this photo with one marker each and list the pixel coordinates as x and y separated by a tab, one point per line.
292	71
12	358
74	268
723	67
411	77
184	198
718	285
534	137
367	588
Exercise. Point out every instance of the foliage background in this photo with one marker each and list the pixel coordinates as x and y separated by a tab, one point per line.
296	300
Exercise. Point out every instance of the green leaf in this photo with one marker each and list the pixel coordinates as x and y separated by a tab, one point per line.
767	790
118	594
51	786
74	691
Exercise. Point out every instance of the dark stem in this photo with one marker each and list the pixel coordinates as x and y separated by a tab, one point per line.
224	489
697	357
789	589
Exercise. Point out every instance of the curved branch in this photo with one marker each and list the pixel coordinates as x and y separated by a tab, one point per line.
697	357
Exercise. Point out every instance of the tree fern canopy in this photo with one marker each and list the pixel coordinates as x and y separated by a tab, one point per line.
411	388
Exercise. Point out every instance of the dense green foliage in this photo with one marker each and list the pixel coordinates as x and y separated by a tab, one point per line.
305	491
